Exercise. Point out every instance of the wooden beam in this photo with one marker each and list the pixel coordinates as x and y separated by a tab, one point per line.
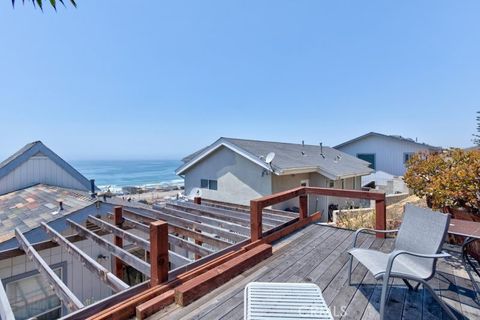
174	240
120	233
195	288
124	255
256	229
237	217
228	226
118	241
196	248
103	273
303	206
136	240
381	216
151	307
184	231
63	292
6	312
159	252
185	223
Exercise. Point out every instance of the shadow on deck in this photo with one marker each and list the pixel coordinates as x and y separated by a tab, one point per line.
318	254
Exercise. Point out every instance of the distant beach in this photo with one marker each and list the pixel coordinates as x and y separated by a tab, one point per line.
136	176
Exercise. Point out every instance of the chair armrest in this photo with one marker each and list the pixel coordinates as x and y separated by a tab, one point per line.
394	254
368	230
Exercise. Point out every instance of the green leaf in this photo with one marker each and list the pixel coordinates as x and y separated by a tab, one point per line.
39	2
54	4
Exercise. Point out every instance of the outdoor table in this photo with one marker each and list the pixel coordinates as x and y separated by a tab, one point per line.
471	231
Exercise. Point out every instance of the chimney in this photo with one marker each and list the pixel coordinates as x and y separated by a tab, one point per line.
92	188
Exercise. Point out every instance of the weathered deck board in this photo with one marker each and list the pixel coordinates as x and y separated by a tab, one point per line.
318	254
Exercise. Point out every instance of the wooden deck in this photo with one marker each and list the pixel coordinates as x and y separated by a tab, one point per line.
318	254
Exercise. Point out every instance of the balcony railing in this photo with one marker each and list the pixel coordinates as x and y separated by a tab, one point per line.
257	205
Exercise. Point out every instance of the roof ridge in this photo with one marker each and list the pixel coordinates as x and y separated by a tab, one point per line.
277	142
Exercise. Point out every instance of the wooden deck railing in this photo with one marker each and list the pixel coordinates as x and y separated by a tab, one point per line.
257	205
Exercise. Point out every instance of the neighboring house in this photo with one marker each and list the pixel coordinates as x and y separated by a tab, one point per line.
236	171
34	164
387	153
37	186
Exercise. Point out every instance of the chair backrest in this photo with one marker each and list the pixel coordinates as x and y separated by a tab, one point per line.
422	230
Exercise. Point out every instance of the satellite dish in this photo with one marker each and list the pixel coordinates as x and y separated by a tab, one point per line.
270	157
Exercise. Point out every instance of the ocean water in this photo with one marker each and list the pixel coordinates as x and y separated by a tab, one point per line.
115	174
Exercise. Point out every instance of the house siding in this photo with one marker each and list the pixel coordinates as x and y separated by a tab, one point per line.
38	169
389	152
239	180
83	283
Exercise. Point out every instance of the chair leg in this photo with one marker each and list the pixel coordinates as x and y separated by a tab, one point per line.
350	271
440	301
383	299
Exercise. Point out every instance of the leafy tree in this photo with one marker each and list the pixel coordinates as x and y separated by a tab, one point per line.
451	178
53	3
476	137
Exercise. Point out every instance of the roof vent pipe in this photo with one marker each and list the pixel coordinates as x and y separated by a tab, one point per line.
92	188
321	150
60	204
303	143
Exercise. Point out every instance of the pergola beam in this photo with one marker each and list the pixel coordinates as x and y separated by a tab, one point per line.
185	223
174	240
124	255
103	273
176	229
63	292
175	258
221	224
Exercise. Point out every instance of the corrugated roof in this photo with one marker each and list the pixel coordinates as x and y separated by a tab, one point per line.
291	157
28	207
396	137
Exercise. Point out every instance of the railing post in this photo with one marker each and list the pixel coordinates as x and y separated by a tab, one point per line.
118	241
303	205
256	228
197	200
380	216
158	252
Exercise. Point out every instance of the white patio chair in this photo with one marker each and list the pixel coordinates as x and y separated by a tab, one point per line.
417	247
270	300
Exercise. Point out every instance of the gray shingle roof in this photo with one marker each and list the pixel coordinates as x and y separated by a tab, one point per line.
291	157
396	137
27	208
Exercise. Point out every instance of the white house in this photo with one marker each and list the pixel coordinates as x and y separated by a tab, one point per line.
387	153
237	171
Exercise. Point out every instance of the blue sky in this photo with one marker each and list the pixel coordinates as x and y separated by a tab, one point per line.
158	79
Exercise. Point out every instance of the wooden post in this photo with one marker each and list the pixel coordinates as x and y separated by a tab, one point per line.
158	252
118	241
303	204
255	220
380	216
200	243
197	200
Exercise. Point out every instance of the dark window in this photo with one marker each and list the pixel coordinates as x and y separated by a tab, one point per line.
212	184
369	157
208	184
407	156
